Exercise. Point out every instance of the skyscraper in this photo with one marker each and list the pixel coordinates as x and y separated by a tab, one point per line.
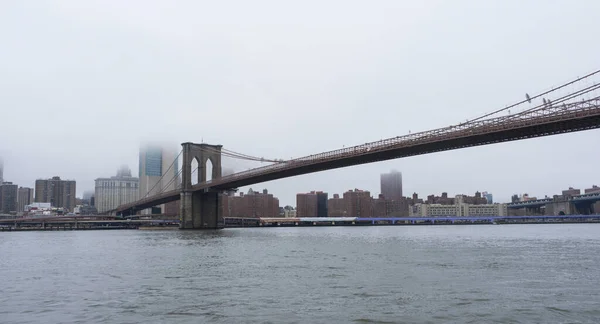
391	185
156	161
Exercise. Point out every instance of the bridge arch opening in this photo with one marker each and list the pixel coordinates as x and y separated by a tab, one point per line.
209	169
195	171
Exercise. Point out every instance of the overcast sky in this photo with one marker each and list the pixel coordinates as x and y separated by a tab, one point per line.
82	83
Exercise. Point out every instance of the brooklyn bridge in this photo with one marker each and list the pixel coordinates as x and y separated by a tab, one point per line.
570	107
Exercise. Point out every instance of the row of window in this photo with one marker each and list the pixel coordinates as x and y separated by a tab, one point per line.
113	184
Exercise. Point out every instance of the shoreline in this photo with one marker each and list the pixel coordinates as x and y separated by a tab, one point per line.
176	227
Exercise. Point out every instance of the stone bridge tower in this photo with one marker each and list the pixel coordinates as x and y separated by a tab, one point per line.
200	209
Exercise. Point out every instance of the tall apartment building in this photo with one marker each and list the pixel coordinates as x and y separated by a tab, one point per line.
253	204
115	191
156	161
24	198
336	206
383	207
358	203
391	185
312	204
59	193
8	197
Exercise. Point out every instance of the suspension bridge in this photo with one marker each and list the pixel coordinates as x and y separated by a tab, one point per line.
571	107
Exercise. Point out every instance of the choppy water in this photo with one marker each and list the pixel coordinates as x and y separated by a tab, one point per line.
413	274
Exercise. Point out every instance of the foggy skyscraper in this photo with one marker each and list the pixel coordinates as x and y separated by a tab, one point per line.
156	161
391	185
1	170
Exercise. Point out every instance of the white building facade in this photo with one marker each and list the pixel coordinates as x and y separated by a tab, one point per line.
115	191
459	209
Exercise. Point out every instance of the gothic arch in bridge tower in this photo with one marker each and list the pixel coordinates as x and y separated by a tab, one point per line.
202	153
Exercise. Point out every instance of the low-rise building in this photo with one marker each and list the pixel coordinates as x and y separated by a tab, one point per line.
460	209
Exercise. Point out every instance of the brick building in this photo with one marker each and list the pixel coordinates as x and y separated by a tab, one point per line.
383	207
312	204
336	207
59	193
358	203
252	204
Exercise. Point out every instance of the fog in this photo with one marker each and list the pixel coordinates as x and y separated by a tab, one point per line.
84	83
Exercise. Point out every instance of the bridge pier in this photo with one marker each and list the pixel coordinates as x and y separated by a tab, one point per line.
200	209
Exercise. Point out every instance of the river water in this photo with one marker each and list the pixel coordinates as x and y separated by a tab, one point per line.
402	274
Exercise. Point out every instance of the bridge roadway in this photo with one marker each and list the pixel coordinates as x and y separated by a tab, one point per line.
572	117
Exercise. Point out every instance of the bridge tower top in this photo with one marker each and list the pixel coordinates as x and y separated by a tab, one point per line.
201	153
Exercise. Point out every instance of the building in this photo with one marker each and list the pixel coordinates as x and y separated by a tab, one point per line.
459	209
440	200
1	170
477	199
322	204
336	207
115	191
59	193
391	185
383	207
86	199
571	192
593	189
24	198
306	205
8	197
253	204
358	203
488	197
158	172
312	204
290	213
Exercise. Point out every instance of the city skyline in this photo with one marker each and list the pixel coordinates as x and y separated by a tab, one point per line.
291	201
345	93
